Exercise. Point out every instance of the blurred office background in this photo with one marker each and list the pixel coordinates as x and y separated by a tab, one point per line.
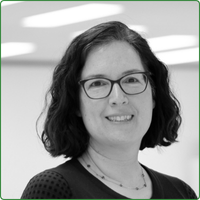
34	36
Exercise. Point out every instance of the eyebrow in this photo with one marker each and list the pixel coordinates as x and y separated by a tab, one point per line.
131	71
105	76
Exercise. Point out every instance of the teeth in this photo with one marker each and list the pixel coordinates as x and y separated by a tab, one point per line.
120	118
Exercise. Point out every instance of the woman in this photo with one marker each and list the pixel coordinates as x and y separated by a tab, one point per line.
110	98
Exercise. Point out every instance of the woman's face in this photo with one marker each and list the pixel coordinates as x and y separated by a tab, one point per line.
112	61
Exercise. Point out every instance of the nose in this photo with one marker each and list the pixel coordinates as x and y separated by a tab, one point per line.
117	96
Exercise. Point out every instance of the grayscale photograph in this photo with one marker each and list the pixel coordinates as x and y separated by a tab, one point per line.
100	99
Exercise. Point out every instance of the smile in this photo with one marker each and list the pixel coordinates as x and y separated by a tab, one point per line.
124	118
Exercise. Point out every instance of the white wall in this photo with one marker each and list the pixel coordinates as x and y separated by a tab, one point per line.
23	156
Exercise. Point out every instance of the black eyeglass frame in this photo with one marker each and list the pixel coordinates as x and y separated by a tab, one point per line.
146	74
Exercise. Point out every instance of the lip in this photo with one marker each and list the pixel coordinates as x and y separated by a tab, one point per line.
119	115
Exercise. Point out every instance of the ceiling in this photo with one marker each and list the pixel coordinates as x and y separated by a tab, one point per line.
155	18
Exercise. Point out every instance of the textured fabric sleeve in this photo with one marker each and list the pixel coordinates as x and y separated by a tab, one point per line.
190	191
47	185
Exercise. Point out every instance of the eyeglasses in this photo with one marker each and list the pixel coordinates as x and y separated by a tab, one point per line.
131	84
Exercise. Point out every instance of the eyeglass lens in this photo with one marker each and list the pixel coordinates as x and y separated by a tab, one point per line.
131	84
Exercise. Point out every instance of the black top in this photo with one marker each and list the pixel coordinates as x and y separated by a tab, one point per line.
72	181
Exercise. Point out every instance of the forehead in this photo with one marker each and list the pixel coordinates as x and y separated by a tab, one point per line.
112	60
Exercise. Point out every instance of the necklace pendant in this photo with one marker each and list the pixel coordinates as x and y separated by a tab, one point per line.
121	185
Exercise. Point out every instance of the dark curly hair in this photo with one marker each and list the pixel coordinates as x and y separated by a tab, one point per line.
64	132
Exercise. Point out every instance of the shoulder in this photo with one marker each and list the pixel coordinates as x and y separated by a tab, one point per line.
48	185
171	185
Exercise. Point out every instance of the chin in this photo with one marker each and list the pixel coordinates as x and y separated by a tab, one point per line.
124	137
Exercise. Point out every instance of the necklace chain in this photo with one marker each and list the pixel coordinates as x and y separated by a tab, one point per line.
104	177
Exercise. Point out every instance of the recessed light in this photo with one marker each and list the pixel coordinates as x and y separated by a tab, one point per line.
72	15
170	42
179	56
8	3
138	28
16	48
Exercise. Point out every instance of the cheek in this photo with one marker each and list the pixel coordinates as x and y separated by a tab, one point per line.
90	113
146	111
84	108
145	107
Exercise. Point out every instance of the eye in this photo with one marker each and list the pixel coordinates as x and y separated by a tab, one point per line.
98	83
131	80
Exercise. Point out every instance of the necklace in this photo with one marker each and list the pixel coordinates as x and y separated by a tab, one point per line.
105	178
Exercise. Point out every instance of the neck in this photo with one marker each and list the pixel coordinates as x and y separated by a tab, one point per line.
117	153
122	166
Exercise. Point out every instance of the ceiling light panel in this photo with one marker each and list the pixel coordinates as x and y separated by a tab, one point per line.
179	56
16	48
8	3
171	42
138	28
72	15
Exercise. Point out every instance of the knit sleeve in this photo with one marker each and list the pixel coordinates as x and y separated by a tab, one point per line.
47	185
190	191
